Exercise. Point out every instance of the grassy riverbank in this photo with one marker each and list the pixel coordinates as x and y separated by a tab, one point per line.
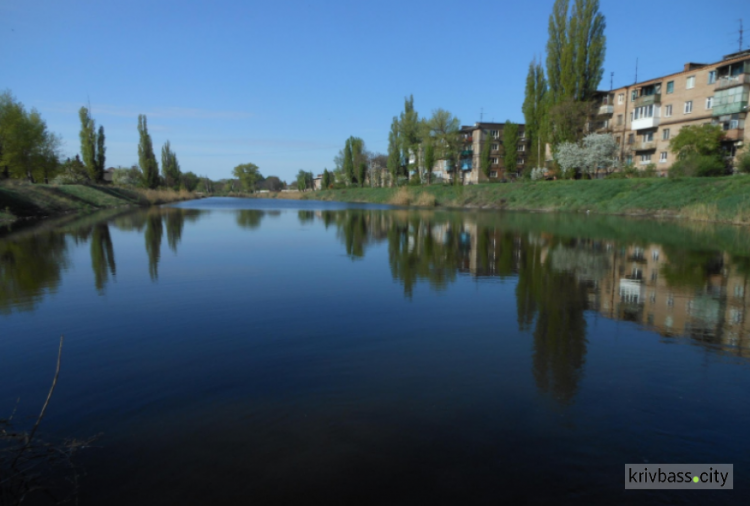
724	200
20	200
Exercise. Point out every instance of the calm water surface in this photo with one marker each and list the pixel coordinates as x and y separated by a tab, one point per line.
235	351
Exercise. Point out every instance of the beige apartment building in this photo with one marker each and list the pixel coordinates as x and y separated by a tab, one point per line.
643	117
473	141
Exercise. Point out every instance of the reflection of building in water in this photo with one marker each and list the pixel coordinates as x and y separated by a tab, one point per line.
701	295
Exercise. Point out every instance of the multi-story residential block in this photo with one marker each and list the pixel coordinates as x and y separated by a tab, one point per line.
644	117
473	141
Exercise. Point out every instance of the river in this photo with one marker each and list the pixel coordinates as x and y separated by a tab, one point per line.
242	351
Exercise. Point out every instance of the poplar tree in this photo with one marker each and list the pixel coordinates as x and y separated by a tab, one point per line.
429	158
92	146
408	132
575	59
535	111
170	167
359	161
326	179
394	155
484	158
146	158
348	162
510	146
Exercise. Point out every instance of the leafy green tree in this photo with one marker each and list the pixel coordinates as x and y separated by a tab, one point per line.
93	151
359	159
408	132
326	179
170	167
510	147
575	50
535	112
348	166
27	145
394	154
189	181
248	174
484	157
146	157
444	128
704	140
429	158
304	180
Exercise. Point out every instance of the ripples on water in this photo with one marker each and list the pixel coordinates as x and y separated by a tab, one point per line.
291	352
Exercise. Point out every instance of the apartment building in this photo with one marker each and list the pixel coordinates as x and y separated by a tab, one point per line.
473	141
643	117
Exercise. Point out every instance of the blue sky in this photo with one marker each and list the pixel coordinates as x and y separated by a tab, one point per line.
283	83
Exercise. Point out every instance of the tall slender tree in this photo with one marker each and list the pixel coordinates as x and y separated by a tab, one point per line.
484	157
92	145
510	147
394	154
170	167
348	162
535	112
408	132
146	158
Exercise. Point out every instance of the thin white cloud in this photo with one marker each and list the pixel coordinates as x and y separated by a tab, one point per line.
159	112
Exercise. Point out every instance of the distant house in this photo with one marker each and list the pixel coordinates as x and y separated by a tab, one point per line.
318	182
108	174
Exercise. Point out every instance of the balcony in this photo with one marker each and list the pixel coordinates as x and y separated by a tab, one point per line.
606	109
644	146
647	100
467	152
735	134
730	108
725	82
642	123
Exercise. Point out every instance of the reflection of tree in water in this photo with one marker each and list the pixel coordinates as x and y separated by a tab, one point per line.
558	301
305	217
102	255
30	268
249	218
153	235
691	268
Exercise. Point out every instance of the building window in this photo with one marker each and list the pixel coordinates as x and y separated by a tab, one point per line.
688	107
493	173
645	158
648	137
710	103
631	138
495	146
634	95
667	110
619	119
665	134
670	87
712	77
621	98
495	134
617	139
663	157
690	83
629	160
494	160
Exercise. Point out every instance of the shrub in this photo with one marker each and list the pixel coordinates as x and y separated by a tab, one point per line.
743	163
131	177
699	166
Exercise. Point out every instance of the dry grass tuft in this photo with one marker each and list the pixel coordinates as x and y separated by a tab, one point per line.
164	196
425	200
402	197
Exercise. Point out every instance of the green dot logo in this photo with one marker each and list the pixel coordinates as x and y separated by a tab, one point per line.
695	479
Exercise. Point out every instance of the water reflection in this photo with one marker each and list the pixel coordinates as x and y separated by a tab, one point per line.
249	218
676	288
32	261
